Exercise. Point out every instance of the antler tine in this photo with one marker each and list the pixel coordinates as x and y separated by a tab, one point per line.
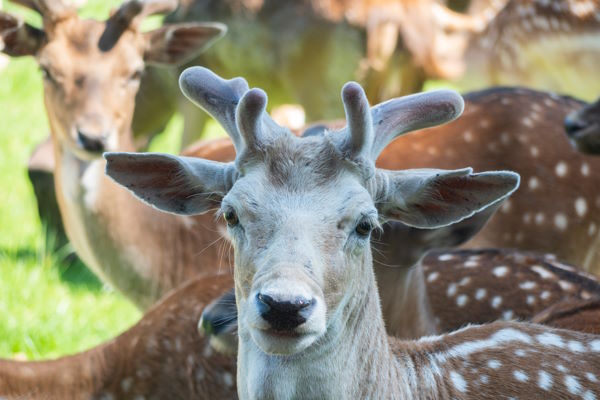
130	14
409	113
358	116
217	96
249	117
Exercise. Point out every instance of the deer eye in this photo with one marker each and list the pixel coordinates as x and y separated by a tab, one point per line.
136	75
231	217
46	74
364	227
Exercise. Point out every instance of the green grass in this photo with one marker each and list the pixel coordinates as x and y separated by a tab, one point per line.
49	305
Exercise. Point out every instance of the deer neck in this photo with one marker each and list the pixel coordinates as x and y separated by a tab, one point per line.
352	360
404	288
103	222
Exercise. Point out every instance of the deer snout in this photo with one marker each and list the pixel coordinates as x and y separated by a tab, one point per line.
93	143
573	124
284	314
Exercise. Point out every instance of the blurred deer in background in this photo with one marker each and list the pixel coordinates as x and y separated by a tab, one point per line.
92	71
583	128
543	44
160	357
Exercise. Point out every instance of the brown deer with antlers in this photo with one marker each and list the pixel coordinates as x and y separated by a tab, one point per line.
92	73
300	212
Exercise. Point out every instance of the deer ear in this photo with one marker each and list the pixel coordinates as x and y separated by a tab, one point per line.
178	185
432	198
18	38
175	44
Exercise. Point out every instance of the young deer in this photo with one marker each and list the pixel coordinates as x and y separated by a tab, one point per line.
300	212
161	357
583	128
92	72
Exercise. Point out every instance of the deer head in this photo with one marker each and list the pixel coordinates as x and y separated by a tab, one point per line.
300	211
92	69
583	128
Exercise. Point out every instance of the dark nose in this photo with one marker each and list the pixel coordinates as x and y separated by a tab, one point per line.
572	125
284	315
91	143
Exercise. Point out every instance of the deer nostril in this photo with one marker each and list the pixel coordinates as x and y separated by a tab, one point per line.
284	315
90	143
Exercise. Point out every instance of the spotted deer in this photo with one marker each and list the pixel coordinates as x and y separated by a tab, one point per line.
300	212
583	128
146	360
461	287
543	44
92	71
160	357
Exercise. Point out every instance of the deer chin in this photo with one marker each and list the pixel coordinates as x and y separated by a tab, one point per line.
283	343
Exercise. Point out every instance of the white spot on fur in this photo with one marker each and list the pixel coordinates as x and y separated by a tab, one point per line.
480	294
471	264
585	169
506	206
534	183
433	276
545	295
544	380
451	291
521	376
530	300
534	151
575	346
539	218
508	315
445	257
591	377
458	381
500	271
228	379
595	345
462	300
464	281
560	221
561	169
468	136
527	285
542	272
592	229
496	301
581	206
564	285
494	364
572	384
527	122
550	339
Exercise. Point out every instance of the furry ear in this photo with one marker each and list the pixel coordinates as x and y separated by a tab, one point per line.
18	38
432	198
179	185
175	44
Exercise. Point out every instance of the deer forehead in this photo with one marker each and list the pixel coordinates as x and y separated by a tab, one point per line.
73	49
